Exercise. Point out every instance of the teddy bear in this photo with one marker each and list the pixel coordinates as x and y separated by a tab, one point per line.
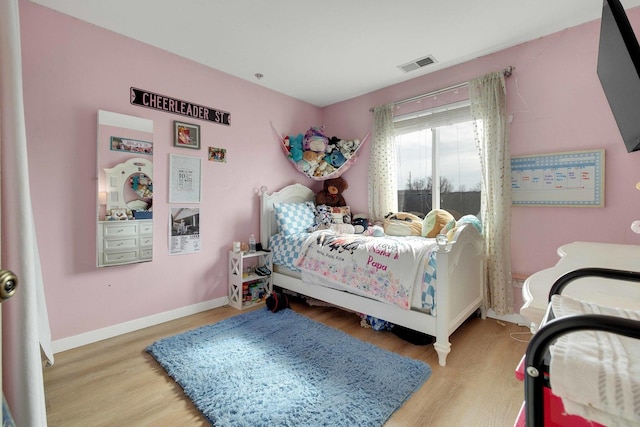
331	193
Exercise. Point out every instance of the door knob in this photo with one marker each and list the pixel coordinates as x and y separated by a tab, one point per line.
8	284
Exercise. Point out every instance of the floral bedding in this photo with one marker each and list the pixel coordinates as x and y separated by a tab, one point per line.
391	268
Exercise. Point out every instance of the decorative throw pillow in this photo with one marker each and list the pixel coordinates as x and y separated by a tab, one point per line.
435	221
341	214
293	218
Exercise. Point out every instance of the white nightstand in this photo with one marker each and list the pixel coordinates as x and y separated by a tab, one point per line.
246	289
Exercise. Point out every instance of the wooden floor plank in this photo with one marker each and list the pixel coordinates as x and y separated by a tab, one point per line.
115	382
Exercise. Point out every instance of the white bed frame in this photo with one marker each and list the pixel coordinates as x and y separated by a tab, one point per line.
459	288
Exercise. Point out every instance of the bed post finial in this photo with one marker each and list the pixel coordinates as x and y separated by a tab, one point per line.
261	191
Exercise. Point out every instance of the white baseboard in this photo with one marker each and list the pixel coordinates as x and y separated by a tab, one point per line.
511	318
134	325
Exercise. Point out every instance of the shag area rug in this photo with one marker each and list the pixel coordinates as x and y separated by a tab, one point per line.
284	369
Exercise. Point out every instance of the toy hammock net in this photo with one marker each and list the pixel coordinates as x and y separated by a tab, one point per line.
317	156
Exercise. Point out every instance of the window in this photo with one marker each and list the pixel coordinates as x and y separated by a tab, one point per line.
438	161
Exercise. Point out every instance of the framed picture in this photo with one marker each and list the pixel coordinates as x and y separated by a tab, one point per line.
186	135
217	154
131	145
184	179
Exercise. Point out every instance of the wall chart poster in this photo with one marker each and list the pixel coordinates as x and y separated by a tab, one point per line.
560	179
184	230
184	179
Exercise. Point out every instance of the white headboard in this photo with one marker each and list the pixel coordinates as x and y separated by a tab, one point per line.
295	193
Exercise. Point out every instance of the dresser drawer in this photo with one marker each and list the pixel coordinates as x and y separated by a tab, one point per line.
118	245
120	229
146	241
117	258
146	254
146	228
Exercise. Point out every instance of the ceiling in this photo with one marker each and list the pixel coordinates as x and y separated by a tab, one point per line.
323	52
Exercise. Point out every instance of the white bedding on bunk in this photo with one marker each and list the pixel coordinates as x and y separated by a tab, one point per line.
398	270
596	374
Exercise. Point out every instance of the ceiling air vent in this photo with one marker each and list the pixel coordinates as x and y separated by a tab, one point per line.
418	63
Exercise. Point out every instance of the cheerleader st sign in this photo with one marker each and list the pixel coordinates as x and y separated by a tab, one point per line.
156	101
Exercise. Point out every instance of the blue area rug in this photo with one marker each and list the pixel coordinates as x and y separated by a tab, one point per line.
284	369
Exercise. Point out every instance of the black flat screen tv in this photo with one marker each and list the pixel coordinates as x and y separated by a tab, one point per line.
619	71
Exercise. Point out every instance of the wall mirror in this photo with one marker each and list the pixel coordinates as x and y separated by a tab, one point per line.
124	190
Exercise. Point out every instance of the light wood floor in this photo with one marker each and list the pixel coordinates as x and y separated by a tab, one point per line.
116	383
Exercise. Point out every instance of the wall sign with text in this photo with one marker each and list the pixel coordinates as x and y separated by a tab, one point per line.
156	101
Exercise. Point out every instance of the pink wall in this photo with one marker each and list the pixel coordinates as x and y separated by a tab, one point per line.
557	104
72	69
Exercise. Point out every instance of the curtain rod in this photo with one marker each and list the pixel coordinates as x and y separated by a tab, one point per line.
507	72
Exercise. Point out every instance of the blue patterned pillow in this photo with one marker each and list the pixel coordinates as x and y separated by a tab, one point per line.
293	218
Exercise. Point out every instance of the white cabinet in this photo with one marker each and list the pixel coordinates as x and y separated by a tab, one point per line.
124	242
611	293
246	287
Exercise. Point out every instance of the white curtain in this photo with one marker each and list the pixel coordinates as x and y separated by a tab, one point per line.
488	104
383	194
25	325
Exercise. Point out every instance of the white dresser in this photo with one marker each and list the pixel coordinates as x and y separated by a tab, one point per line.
612	293
124	242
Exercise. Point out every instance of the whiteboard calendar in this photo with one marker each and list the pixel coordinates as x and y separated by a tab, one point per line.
561	179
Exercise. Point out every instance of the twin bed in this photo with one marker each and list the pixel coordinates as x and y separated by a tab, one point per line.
408	281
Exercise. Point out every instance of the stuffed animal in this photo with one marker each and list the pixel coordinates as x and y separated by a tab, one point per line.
335	158
435	221
331	193
323	169
315	140
309	162
360	223
332	144
402	224
378	231
323	218
467	219
295	147
348	147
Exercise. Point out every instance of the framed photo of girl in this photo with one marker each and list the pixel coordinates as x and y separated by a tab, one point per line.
186	135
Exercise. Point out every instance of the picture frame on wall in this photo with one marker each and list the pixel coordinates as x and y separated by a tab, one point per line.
184	179
186	135
217	154
129	145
